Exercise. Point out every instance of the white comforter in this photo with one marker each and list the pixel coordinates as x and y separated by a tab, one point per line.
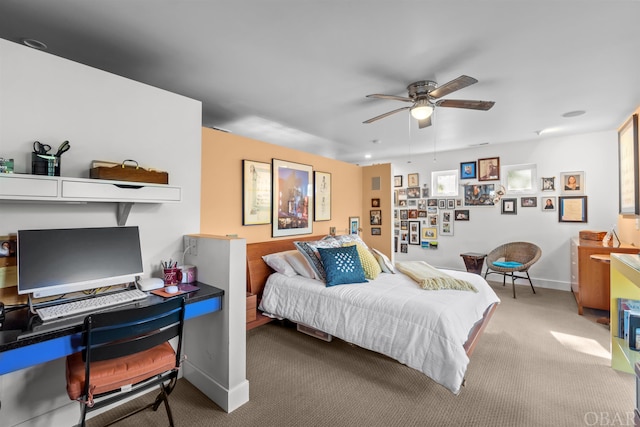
392	315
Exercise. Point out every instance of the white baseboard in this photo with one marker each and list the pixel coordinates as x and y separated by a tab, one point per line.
228	400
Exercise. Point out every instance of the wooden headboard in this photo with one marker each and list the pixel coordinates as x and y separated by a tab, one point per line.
257	270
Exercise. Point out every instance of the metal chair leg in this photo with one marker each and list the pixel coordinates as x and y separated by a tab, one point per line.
531	283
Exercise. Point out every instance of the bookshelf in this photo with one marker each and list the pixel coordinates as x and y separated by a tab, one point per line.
625	283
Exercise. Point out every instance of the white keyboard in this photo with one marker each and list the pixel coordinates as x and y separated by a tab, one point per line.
89	305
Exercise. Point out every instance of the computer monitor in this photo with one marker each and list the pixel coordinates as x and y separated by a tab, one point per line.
59	261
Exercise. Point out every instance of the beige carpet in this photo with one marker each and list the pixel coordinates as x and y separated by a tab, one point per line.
538	363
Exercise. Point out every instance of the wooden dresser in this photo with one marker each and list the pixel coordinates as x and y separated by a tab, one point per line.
590	277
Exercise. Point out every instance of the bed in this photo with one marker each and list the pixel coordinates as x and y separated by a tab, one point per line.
434	332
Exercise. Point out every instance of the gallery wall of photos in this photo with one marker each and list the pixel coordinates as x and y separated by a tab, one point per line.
425	212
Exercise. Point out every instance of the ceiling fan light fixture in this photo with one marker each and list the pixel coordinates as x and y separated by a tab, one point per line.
421	110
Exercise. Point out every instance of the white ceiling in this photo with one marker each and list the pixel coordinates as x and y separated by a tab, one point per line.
296	72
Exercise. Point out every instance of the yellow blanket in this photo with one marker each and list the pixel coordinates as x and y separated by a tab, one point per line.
431	278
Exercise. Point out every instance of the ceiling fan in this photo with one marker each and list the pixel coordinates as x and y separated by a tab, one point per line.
424	97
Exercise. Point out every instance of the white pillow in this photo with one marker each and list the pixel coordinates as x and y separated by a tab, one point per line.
385	263
279	263
300	264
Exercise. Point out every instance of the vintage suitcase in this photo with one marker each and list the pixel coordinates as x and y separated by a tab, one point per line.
592	235
127	172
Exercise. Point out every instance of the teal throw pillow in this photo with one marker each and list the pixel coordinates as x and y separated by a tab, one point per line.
342	265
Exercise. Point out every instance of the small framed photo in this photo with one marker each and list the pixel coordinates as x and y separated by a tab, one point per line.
461	214
509	206
468	170
404	248
375	217
451	203
432	202
397	181
376	231
549	183
375	203
429	233
354	225
489	169
414	232
572	209
572	182
425	191
528	202
412	180
548	203
442	204
413	192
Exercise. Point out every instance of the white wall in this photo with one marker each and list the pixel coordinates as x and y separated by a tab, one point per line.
596	154
104	117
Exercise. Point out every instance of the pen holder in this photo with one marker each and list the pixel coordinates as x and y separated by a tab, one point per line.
172	276
44	164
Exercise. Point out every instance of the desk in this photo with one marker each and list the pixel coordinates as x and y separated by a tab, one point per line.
17	353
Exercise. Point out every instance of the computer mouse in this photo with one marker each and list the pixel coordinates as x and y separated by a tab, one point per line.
171	289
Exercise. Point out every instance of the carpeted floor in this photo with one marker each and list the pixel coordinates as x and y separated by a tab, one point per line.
538	363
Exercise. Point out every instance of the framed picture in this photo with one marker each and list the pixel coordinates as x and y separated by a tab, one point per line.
8	261
548	203
412	180
572	209
429	233
528	202
489	169
549	183
451	203
509	206
425	191
442	204
572	182
628	155
468	170
292	198
322	210
375	217
404	248
397	181
479	195
413	192
256	193
446	225
414	232
376	231
444	183
375	203
354	225
461	214
520	178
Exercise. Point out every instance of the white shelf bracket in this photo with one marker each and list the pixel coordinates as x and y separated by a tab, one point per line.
123	212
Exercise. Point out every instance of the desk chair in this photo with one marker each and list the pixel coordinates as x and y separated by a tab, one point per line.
127	351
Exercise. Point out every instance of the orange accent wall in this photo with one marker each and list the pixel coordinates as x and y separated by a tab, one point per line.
221	192
627	231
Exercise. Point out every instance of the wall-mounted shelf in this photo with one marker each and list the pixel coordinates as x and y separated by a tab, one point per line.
60	189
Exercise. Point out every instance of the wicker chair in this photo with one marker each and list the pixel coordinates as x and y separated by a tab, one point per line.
523	253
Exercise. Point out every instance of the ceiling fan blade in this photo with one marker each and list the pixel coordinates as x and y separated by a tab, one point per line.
424	123
465	103
394	97
452	86
382	116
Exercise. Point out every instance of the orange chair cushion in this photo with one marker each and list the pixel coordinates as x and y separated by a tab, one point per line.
112	374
